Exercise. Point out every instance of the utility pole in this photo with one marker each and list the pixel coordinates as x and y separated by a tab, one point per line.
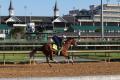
0	14
25	7
30	17
118	2
102	24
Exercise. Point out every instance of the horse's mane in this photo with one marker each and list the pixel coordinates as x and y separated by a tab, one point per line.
68	39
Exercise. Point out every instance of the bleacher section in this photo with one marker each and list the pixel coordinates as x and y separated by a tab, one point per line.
86	34
95	28
84	28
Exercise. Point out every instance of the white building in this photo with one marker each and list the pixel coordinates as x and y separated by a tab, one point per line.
111	12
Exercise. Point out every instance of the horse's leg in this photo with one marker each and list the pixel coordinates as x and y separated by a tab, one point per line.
69	59
72	61
58	52
51	57
66	59
34	62
32	56
30	61
47	60
55	61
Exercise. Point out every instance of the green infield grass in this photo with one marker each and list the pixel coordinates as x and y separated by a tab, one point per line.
98	56
22	57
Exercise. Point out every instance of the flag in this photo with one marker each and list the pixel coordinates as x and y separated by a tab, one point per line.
58	41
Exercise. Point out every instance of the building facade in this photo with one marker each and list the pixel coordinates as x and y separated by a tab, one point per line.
79	23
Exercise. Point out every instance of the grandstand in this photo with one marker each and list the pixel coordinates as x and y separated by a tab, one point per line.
85	27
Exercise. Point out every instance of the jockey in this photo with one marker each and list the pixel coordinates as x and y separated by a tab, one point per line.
58	43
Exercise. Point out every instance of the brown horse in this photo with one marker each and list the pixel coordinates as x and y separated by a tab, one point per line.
49	51
66	46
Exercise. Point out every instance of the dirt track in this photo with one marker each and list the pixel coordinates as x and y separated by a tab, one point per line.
44	70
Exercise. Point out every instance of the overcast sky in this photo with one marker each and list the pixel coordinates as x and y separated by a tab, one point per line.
45	7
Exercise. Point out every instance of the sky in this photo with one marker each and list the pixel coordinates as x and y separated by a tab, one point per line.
45	7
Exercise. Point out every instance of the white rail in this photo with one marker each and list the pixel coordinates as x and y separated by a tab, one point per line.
41	45
70	51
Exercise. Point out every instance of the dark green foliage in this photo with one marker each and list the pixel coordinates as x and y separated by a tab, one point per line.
17	32
98	30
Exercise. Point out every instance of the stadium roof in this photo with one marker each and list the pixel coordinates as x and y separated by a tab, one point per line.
4	26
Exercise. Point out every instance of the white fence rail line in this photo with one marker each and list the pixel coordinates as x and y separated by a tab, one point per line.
41	45
102	77
70	51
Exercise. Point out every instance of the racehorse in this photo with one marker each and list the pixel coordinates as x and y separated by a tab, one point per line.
66	46
49	51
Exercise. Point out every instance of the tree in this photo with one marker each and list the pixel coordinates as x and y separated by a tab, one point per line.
17	32
98	30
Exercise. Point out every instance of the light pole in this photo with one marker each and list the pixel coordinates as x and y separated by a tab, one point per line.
102	24
118	2
79	34
30	17
74	19
25	7
0	14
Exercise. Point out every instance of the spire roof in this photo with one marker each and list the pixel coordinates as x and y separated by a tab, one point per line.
11	6
56	7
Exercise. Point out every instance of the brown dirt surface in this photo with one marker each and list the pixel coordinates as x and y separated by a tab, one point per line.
60	69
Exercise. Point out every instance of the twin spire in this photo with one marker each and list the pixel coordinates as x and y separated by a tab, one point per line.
11	9
11	6
56	7
56	10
